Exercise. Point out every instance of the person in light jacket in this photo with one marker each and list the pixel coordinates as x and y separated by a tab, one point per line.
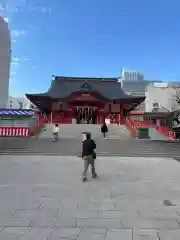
55	133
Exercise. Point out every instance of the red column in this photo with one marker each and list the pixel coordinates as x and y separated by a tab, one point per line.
101	114
122	120
97	119
37	118
97	116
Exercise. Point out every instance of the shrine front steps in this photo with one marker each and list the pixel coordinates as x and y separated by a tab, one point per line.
76	130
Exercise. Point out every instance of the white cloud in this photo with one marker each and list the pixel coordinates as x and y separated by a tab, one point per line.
6	19
42	9
33	8
2	8
13	73
45	9
33	67
16	59
10	8
15	63
18	33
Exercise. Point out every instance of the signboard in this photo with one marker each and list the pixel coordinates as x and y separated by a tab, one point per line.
161	85
86	97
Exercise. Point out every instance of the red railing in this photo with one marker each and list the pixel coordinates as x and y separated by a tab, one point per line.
130	125
14	132
165	130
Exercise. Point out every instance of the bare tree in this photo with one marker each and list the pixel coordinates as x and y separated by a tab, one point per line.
175	100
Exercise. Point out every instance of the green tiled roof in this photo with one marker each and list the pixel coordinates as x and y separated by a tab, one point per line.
108	87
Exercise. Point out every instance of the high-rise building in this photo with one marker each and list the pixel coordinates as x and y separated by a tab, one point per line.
5	62
132	75
18	103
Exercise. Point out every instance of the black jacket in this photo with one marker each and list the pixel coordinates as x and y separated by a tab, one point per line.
88	147
104	128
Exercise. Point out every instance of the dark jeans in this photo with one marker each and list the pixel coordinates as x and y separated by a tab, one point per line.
88	160
104	134
55	136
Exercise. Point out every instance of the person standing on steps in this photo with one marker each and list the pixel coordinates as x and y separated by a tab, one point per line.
89	156
104	130
55	133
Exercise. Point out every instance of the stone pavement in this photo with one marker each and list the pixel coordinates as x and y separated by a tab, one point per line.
42	197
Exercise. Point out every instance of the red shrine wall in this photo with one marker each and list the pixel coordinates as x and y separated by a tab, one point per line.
112	108
112	111
55	117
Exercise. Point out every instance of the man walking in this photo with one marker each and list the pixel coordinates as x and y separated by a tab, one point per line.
104	130
88	155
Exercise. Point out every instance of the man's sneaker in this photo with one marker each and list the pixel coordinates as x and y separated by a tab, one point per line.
84	180
94	176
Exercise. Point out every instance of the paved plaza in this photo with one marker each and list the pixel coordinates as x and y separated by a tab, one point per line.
42	197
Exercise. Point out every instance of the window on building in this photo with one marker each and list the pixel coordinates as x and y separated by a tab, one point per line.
20	104
153	121
145	118
155	105
163	122
10	106
155	109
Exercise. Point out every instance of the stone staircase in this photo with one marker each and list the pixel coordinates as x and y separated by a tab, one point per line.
72	131
105	147
118	132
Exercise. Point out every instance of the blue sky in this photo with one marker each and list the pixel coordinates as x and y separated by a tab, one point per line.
91	38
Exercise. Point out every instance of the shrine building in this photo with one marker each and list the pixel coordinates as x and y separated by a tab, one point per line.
84	100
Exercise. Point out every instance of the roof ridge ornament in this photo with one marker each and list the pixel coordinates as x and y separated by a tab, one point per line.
86	85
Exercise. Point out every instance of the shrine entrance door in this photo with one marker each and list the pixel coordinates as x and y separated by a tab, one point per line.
86	115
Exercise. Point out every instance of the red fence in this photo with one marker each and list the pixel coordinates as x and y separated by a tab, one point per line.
166	131
132	124
14	132
131	127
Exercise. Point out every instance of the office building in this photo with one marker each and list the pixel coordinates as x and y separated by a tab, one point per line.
162	97
132	75
5	62
18	103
